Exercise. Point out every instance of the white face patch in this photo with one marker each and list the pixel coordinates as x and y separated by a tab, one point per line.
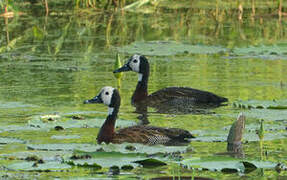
106	94
135	63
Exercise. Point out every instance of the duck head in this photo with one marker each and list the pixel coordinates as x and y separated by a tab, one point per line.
137	63
108	96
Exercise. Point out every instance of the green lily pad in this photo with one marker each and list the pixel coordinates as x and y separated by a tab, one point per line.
167	48
266	114
261	104
44	155
123	148
278	51
272	132
58	147
135	148
69	122
110	159
8	140
31	166
227	164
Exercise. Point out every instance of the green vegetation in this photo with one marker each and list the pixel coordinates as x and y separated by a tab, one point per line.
53	56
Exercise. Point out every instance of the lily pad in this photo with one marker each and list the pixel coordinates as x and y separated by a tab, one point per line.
278	51
135	148
167	48
227	164
44	155
8	140
272	132
266	114
58	147
110	159
32	166
69	122
17	128
261	104
123	148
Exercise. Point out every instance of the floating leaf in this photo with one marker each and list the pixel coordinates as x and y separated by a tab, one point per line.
17	128
167	48
215	163
58	147
266	114
8	140
110	159
227	164
44	155
272	132
70	122
261	104
33	166
181	178
123	148
278	51
134	148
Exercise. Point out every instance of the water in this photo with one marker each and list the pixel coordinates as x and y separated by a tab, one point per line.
53	63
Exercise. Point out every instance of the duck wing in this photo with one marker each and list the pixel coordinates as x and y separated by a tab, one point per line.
186	93
151	135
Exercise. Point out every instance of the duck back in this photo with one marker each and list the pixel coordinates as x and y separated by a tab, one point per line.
186	95
151	135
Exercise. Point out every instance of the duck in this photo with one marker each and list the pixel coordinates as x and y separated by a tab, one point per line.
179	98
143	134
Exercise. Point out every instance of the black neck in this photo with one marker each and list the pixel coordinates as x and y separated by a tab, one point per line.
141	91
107	130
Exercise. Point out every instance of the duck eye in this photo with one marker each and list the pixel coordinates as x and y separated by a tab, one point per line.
107	93
135	61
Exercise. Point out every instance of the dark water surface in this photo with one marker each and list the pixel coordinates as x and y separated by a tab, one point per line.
51	64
